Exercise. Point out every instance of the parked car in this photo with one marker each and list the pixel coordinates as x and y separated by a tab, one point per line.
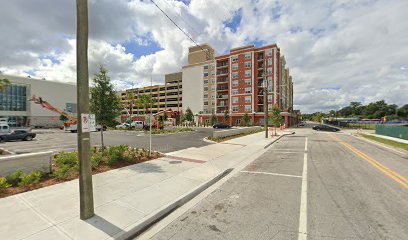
221	125
18	134
323	127
137	124
123	126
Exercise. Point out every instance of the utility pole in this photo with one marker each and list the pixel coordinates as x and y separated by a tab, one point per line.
266	104
150	118
84	145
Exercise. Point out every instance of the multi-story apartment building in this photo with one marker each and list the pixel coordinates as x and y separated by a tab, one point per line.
166	97
200	90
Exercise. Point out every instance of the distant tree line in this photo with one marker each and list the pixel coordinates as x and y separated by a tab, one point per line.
374	110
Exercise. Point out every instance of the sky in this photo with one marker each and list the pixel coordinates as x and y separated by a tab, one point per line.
337	51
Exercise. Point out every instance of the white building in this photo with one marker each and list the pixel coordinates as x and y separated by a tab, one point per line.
16	107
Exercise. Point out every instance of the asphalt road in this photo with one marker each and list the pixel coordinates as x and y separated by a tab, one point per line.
66	141
340	187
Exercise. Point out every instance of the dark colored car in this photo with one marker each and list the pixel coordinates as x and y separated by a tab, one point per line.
323	127
221	125
17	135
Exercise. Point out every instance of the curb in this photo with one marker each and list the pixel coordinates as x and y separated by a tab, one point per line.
208	141
159	214
269	144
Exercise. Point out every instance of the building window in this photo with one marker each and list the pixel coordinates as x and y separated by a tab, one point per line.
206	74
270	107
205	103
235	83
235	75
235	66
213	104
247	64
247	90
248	108
213	96
235	109
14	98
234	58
213	74
238	121
205	82
247	82
269	61
269	52
205	67
247	99
235	100
269	71
269	98
205	96
212	88
212	80
248	73
234	92
247	56
205	89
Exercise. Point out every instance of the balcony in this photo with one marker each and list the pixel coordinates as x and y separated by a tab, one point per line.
222	97
222	89
222	66
223	73
260	66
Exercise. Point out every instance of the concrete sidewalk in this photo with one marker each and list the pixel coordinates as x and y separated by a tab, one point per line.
389	138
126	199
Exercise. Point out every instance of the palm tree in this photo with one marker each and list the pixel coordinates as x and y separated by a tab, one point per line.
4	83
145	102
131	101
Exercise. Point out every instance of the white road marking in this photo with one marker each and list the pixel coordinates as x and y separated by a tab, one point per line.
303	200
275	174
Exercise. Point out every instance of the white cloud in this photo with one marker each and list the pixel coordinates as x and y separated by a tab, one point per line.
337	51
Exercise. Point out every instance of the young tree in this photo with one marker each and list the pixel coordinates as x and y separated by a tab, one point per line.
105	104
226	116
4	83
213	119
165	116
275	118
188	115
145	102
131	100
246	120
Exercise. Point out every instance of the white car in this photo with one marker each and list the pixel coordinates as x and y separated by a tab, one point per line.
122	126
137	124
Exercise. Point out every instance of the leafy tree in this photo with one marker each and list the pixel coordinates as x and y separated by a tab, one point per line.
213	119
105	104
165	116
275	118
145	102
131	100
4	83
226	116
63	118
188	115
403	111
246	120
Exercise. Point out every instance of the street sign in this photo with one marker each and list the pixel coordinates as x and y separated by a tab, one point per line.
92	123
85	122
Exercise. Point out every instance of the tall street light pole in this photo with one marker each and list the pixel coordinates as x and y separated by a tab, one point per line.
265	83
84	145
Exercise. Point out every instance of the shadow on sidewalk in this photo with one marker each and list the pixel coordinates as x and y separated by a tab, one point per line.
103	225
145	167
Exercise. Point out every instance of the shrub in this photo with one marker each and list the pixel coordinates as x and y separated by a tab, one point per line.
33	177
65	163
96	160
116	154
15	177
4	184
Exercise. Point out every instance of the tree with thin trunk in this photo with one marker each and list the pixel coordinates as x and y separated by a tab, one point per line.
144	102
246	120
275	117
226	116
213	119
4	83
105	104
131	101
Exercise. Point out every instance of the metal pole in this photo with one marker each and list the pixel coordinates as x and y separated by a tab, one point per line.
84	146
266	106
150	118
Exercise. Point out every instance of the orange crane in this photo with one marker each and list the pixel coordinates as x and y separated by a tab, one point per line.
46	105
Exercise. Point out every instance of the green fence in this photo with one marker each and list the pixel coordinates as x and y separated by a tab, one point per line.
396	131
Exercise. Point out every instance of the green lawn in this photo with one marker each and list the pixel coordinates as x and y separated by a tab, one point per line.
387	142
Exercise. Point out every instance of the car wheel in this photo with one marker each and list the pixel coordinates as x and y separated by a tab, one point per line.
28	138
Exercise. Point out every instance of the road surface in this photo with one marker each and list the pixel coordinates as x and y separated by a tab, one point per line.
311	185
59	140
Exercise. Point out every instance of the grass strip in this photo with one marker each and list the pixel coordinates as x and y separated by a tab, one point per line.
222	139
387	142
